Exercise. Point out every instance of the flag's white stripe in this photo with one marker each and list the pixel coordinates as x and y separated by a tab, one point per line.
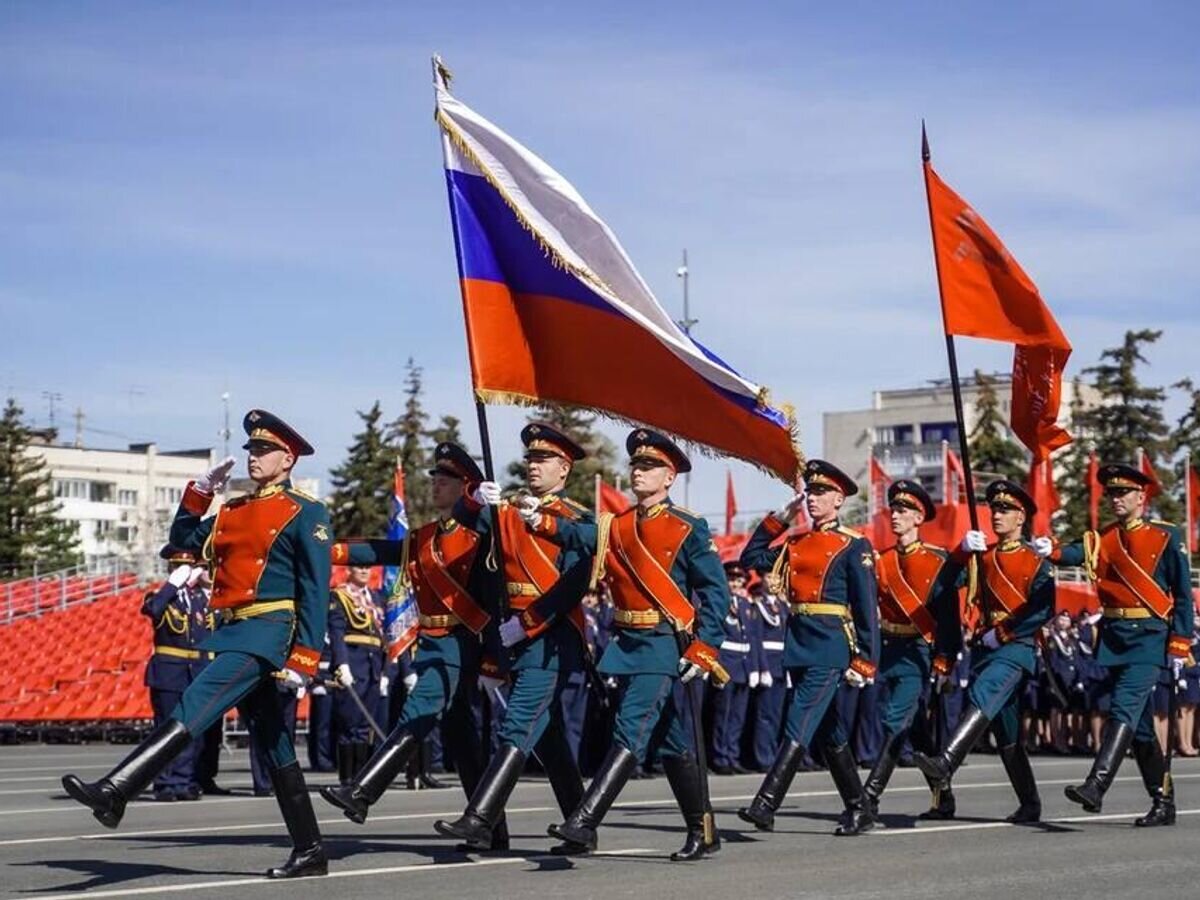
563	219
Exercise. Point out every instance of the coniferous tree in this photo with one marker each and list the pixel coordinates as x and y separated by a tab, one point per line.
29	529
449	428
1074	518
993	453
1129	415
580	425
362	485
407	435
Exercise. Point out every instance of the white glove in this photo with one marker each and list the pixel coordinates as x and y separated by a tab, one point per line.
857	680
689	670
384	684
1177	669
974	542
487	494
991	639
197	574
755	678
490	685
289	681
512	632
789	510
319	690
300	692
410	681
179	575
766	679
214	480
1043	546
343	676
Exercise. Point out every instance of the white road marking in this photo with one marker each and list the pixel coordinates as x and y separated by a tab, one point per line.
976	826
417	868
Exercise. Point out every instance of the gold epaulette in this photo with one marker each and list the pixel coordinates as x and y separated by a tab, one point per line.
849	532
1163	522
303	495
683	509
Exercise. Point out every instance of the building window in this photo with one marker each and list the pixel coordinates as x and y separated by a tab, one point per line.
70	489
936	432
894	435
167	496
101	491
126	497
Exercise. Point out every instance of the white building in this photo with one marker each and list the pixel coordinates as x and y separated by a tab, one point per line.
122	501
904	428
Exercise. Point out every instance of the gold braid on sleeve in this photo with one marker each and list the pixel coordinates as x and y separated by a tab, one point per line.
603	529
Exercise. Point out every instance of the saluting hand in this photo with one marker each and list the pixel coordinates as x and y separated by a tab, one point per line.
791	508
1043	546
179	575
214	480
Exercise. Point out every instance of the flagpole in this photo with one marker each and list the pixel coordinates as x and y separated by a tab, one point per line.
951	356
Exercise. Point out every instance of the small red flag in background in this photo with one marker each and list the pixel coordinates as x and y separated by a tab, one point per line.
1093	483
879	482
1045	495
986	294
611	500
1155	487
954	476
730	502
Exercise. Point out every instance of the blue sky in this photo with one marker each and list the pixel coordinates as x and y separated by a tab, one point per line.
197	198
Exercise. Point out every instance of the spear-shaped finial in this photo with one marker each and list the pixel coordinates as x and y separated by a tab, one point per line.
924	143
442	76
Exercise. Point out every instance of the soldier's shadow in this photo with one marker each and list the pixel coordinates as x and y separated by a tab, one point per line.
108	872
336	846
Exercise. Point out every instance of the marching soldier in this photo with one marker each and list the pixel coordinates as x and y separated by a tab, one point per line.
1140	568
270	555
828	575
544	634
772	690
655	556
731	700
444	567
1017	599
357	660
919	621
179	618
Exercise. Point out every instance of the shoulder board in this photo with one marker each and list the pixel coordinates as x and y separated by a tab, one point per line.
850	532
1163	523
303	495
682	512
935	550
573	504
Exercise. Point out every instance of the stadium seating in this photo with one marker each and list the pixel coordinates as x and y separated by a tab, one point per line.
80	664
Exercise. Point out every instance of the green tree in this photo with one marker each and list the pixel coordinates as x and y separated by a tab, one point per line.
580	425
448	429
993	453
1129	415
407	435
29	529
1075	517
362	485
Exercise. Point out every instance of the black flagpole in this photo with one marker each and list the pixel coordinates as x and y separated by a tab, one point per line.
950	354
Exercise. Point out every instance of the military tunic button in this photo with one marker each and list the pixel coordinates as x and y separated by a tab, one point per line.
259	561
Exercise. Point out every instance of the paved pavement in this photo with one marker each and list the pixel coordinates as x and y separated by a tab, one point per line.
49	847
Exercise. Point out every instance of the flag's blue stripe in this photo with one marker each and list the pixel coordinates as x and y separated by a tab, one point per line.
492	245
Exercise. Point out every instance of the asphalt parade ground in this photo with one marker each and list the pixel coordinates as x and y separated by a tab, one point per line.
218	847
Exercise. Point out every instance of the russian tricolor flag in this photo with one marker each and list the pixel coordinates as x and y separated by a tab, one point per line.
556	312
